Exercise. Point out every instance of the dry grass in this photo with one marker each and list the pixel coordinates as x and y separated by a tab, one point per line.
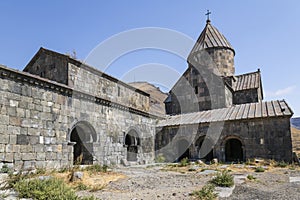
93	181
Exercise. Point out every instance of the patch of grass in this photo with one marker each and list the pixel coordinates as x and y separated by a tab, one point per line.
251	177
54	189
184	162
206	193
5	169
282	164
96	168
259	169
81	186
223	179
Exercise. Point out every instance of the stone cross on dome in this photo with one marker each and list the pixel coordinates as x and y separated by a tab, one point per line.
207	14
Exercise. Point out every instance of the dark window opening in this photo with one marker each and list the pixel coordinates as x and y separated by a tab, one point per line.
119	91
196	89
233	151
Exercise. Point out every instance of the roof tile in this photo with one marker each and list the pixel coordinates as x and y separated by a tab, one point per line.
237	112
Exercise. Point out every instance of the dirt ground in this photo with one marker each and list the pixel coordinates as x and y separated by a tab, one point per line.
161	182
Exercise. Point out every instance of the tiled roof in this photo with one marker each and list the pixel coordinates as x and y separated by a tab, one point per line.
246	81
237	112
209	38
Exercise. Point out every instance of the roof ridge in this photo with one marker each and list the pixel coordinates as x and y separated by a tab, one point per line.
248	73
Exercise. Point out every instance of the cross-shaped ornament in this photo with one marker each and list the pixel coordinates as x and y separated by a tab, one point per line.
207	14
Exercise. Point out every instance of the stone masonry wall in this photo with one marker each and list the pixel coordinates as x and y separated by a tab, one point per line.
197	91
268	138
246	96
36	117
86	81
223	60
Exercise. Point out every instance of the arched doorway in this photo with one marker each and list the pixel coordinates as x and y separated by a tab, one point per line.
183	149
233	150
132	141
83	135
205	148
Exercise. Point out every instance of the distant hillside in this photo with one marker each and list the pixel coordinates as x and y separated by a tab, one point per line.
157	97
295	122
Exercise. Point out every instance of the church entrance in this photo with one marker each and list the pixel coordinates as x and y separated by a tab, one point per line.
83	135
183	149
205	149
233	150
132	141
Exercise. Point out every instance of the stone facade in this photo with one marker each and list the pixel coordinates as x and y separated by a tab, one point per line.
268	138
44	123
210	101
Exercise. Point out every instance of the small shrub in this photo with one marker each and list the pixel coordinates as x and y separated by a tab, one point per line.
184	162
206	193
54	189
251	177
160	159
259	169
5	169
223	179
282	164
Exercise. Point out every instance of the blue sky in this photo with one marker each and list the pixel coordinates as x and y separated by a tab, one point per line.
265	34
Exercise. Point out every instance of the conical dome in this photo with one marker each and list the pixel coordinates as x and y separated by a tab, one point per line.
218	48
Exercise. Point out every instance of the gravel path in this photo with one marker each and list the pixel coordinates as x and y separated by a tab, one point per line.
152	183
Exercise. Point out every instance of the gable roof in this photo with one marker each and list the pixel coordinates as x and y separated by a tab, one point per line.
210	37
247	81
277	108
83	66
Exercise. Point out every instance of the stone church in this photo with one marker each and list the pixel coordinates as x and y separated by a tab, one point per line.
59	111
213	113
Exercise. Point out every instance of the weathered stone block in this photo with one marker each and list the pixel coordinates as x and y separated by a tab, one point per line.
41	156
15	121
17	156
14	130
4	138
9	157
34	140
34	131
13	139
26	148
28	156
22	140
4	119
3	129
20	112
12	111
